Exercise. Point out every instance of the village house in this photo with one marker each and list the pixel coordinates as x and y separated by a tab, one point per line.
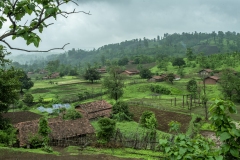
43	71
95	109
205	72
211	80
60	129
55	75
131	72
102	70
160	78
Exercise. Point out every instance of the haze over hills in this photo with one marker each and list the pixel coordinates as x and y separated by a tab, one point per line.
168	44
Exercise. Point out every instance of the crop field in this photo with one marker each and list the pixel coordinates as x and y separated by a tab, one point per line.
163	117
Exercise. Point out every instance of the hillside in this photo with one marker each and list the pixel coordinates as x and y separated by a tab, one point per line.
169	44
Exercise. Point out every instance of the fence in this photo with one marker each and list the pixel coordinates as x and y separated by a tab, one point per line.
73	141
136	141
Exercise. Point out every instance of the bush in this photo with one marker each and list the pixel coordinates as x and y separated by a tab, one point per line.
7	132
72	114
148	120
160	89
28	98
120	111
35	141
107	128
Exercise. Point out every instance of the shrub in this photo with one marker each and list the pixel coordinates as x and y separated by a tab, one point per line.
28	98
121	112
35	141
107	128
148	120
160	89
7	132
72	114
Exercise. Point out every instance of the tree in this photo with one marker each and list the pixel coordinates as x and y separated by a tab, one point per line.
148	120
189	54
37	12
91	74
107	127
121	112
145	73
228	82
192	87
9	88
26	81
28	98
16	12
123	61
170	77
52	66
114	84
178	62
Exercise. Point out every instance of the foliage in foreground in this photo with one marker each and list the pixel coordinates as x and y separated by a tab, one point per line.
225	128
181	146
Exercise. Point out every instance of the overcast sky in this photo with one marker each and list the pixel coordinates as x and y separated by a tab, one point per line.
113	21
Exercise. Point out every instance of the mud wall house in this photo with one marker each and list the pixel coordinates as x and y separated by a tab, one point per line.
205	72
211	80
55	75
156	79
102	70
95	109
131	72
60	129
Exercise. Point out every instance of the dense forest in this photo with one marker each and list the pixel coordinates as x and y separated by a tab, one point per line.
139	51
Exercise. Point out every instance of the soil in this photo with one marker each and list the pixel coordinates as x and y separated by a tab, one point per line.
163	117
17	117
9	155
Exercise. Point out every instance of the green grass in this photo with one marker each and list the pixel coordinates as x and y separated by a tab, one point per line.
125	153
38	151
130	128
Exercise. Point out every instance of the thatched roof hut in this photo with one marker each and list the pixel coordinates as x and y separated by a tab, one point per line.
59	129
95	109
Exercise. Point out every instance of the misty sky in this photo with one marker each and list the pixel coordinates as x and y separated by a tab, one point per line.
113	21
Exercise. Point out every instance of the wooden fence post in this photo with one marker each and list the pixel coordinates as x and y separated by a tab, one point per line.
175	101
183	101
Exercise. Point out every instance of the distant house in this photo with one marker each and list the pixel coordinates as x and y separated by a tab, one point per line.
131	72
205	72
43	71
95	109
157	78
211	80
55	75
130	62
177	77
102	70
60	129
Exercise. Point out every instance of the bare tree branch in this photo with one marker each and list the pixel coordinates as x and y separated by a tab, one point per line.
62	48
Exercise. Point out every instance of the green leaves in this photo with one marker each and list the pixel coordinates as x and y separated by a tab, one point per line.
224	136
225	128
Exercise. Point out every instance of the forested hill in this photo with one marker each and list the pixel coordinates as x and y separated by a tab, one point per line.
168	44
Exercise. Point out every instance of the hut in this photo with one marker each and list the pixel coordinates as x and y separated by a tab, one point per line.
95	109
